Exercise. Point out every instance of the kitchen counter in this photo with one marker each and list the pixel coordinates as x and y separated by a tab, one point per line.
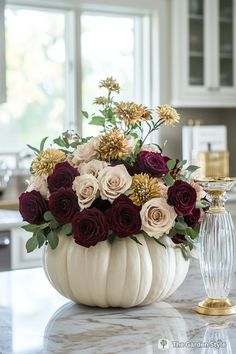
10	219
35	319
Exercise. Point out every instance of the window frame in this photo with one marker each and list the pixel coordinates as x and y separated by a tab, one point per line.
143	52
3	89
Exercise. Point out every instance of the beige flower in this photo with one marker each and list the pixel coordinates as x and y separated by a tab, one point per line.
39	184
115	145
132	113
168	114
157	217
86	152
101	100
144	188
86	189
199	190
110	84
113	181
150	147
92	167
45	162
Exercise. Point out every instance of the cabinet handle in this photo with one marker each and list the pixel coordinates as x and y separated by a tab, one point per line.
4	242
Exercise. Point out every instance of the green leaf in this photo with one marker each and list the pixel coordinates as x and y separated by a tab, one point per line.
169	180
202	204
33	148
111	238
66	229
134	135
134	238
181	163
41	238
85	114
185	252
52	239
180	225
128	192
31	244
43	143
192	233
171	164
182	177
192	168
159	242
54	224
30	227
48	216
97	120
190	240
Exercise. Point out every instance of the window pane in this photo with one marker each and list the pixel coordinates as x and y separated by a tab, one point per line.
35	78
107	44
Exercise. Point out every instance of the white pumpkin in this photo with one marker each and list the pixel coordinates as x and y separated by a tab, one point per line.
123	274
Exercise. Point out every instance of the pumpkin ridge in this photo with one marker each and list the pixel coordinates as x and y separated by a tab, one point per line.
86	251
123	288
108	269
67	272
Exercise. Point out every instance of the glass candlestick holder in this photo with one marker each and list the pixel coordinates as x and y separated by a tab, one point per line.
217	249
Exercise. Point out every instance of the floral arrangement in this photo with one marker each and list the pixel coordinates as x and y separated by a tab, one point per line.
96	189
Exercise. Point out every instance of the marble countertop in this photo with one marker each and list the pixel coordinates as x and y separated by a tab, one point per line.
35	319
10	219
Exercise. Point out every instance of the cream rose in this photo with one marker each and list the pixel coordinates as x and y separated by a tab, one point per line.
157	217
199	190
113	181
150	147
92	167
86	152
86	189
39	184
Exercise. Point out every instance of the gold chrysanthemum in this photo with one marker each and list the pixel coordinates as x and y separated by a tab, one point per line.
168	114
112	145
144	188
45	162
101	100
110	84
132	113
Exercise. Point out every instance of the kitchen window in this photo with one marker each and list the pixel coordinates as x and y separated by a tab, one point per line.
55	59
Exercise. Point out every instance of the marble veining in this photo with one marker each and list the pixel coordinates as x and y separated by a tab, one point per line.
34	318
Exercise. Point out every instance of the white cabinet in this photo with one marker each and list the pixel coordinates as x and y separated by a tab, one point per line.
204	53
2	55
19	256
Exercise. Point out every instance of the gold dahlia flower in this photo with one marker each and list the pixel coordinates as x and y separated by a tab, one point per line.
110	84
113	145
168	114
101	100
132	113
45	162
144	188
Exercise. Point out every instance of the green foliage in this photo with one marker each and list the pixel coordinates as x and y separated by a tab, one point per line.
97	120
171	164
111	237
158	241
169	180
134	238
202	204
181	164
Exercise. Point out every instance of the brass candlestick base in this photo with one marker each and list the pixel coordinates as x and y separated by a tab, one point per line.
216	307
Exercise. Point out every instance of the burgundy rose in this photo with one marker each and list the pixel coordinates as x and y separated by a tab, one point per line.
32	207
101	204
151	162
178	239
89	227
182	196
124	217
62	176
193	218
63	204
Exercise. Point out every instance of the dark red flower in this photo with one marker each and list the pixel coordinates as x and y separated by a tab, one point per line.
101	204
151	162
193	218
32	206
89	227
124	217
182	196
178	239
63	204
62	176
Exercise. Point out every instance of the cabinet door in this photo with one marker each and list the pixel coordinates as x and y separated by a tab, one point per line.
2	55
19	256
204	70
